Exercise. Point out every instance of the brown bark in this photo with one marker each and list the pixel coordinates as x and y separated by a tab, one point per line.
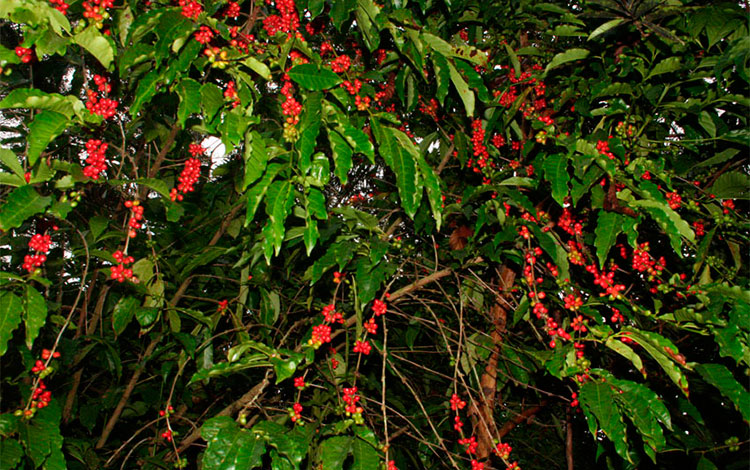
481	412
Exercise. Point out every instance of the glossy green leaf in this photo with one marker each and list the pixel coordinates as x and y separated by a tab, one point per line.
571	55
669	220
10	160
256	158
404	161
467	96
442	76
10	317
35	314
627	352
256	193
189	92
310	77
97	45
605	27
608	227
41	437
598	402
333	452
212	99
229	447
365	456
123	313
647	412
147	88
279	201
474	79
721	378
434	193
31	98
670	64
11	453
43	129
662	351
731	185
21	204
342	155
309	130
556	172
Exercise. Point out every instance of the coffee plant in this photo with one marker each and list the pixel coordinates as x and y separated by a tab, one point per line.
339	234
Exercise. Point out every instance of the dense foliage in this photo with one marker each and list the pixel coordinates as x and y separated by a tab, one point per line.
344	235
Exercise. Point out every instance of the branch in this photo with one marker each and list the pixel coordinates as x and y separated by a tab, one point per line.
520	418
242	402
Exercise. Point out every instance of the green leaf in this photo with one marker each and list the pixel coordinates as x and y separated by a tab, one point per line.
365	456
256	193
403	162
256	158
123	313
359	141
467	96
310	77
721	378
43	129
627	352
97	44
333	452
11	453
556	171
599	401
189	92
147	89
309	130
212	99
720	157
647	412
604	28
731	185
316	204
311	234
658	347
284	368
342	155
32	98
608	227
278	205
10	317
9	159
670	64
41	437
570	55
229	447
340	11
21	204
36	314
669	220
474	79
442	76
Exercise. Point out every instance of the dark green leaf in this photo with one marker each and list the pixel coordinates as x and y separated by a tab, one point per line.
21	204
97	44
147	89
10	317
256	158
310	77
333	452
570	55
608	227
599	401
212	99
43	129
721	378
189	92
123	313
36	314
556	172
467	96
342	155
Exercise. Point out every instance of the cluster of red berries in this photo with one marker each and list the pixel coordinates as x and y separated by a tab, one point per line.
26	54
39	365
295	414
60	5
362	347
187	179
167	435
290	107
299	382
287	20
430	109
166	412
240	41
341	64
232	10
204	35
96	161
674	200
121	272
605	280
136	217
573	302
190	9
351	400
603	147
569	224
230	94
41	396
330	315
103	106
352	87
96	9
41	245
223	304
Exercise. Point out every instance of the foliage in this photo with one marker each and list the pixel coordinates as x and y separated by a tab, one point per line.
346	235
